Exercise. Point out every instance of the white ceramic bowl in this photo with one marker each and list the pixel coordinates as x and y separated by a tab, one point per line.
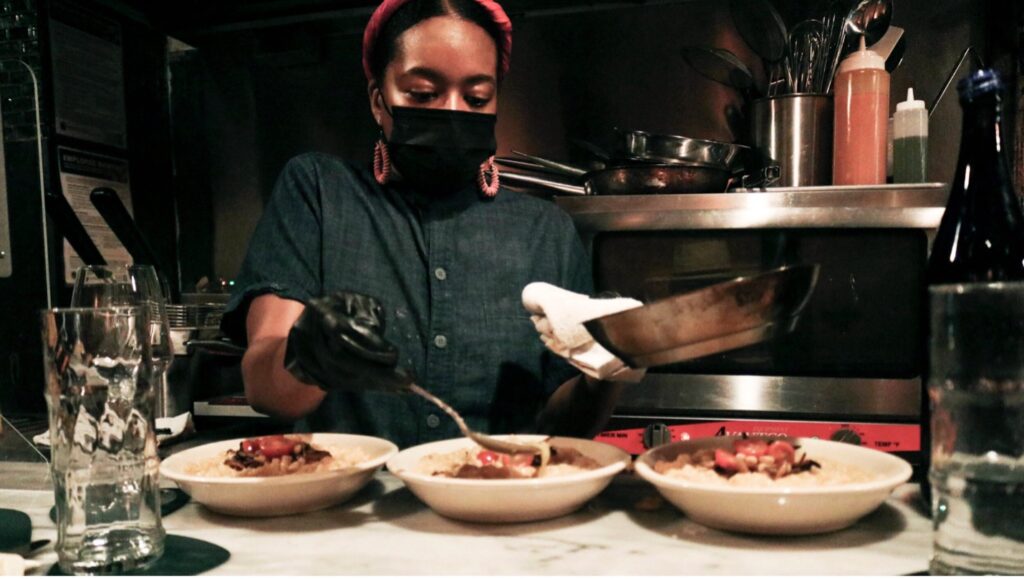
271	496
779	510
508	500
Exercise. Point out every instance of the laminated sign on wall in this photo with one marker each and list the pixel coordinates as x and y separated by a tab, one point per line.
80	173
88	76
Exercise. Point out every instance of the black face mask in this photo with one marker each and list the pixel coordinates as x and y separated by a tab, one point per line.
439	151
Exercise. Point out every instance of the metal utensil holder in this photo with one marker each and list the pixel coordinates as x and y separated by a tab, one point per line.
795	132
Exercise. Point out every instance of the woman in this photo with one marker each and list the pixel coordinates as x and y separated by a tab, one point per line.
428	233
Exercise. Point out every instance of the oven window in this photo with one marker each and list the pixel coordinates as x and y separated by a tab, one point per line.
864	320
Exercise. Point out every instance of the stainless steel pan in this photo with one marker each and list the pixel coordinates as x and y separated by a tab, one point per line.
654	148
626	179
717	318
636	180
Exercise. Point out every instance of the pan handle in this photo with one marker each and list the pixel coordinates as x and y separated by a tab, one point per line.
525	165
542	182
561	168
762	178
125	229
71	228
120	221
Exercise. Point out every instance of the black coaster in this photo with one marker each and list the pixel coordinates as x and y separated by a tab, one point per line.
182	556
170	501
15	531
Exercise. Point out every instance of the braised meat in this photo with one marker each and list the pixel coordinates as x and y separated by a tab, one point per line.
256	452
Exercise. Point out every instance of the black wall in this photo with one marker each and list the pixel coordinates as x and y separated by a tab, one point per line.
150	161
270	93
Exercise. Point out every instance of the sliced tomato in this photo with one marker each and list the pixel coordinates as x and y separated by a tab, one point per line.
725	460
487	457
750	446
781	451
275	446
250	446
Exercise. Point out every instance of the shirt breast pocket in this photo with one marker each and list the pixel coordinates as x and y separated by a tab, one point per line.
503	326
504	308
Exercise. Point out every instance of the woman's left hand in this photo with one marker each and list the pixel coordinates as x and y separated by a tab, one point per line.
558	316
590	358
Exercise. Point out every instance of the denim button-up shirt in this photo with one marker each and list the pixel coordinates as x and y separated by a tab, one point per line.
449	273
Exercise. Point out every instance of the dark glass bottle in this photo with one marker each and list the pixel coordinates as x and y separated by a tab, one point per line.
981	236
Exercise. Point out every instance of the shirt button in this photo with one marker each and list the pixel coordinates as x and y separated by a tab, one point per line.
433	421
441	274
440	341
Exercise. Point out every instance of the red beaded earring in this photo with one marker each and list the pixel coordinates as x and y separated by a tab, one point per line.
488	189
381	162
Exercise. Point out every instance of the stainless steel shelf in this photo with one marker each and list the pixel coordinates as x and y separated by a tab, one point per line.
914	206
779	396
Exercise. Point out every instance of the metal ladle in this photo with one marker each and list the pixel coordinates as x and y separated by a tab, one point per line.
870	19
486	441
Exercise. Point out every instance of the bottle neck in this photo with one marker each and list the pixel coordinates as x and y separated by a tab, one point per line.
982	127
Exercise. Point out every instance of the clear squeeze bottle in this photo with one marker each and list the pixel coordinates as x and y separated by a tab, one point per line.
910	141
861	119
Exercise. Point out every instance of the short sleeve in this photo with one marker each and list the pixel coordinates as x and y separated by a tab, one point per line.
284	254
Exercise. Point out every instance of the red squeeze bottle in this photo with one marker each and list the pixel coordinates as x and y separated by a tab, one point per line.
861	119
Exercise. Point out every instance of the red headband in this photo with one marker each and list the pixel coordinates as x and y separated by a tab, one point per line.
387	9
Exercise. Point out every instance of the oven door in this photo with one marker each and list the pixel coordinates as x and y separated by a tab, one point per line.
854	361
863	320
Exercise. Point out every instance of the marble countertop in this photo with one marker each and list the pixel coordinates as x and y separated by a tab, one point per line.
386	530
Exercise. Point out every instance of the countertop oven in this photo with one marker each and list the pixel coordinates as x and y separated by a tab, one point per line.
850	370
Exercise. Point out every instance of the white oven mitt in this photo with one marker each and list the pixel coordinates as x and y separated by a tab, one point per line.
558	315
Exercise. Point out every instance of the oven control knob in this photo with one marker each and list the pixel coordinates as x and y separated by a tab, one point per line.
846	435
657	434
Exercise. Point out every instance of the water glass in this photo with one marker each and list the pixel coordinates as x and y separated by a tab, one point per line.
103	444
976	387
100	286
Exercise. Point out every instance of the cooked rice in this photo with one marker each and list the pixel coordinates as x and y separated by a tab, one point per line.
829	474
341	458
446	464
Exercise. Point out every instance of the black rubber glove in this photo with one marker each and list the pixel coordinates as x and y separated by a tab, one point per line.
338	343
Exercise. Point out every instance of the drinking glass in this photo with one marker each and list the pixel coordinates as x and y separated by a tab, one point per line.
103	445
976	388
133	285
